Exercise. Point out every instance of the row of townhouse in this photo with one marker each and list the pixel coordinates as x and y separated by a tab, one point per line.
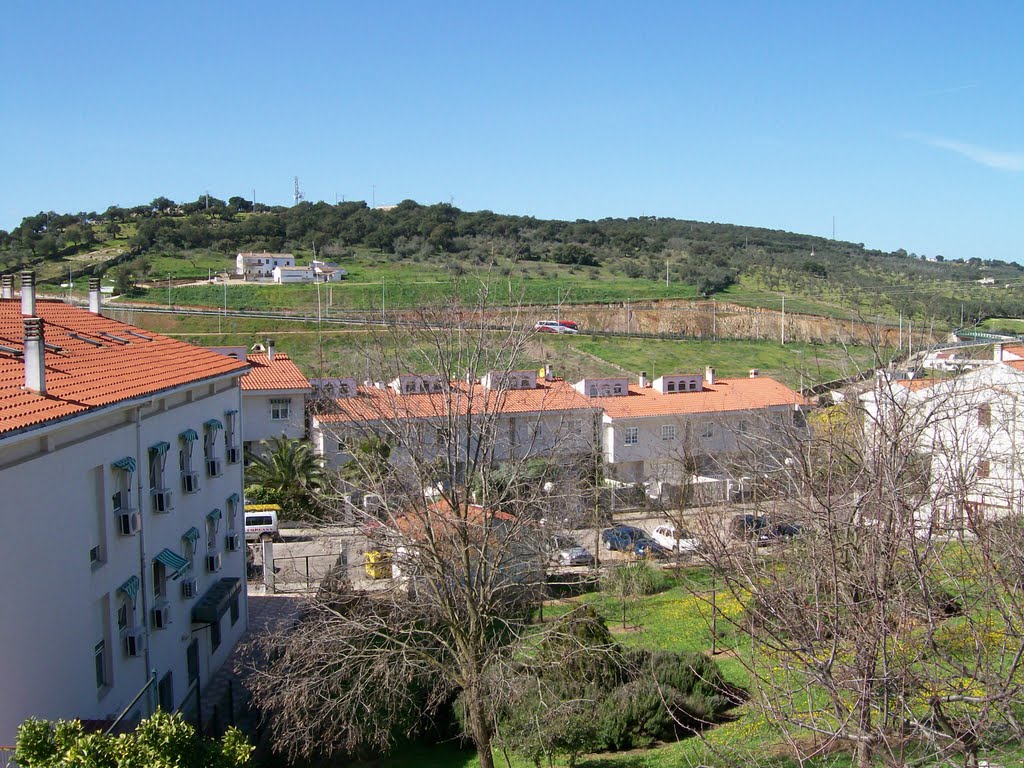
970	431
121	526
661	430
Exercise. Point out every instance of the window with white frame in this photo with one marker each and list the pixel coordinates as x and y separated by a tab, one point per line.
668	432
707	430
99	653
210	430
632	435
280	408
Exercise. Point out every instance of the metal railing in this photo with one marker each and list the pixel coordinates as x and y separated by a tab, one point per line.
7	757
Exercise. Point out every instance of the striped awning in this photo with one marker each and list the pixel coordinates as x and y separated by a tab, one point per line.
231	412
173	561
213	424
213	514
189	435
130	588
160	448
127	464
192	535
234	498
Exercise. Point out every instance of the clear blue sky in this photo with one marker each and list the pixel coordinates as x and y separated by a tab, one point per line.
901	120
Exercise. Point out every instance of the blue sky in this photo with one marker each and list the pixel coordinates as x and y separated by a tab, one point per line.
904	123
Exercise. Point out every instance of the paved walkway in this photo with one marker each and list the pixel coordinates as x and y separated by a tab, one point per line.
225	698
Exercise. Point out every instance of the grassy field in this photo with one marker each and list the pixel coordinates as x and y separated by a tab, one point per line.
345	350
1011	325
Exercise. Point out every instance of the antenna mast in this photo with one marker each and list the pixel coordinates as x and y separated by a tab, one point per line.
298	192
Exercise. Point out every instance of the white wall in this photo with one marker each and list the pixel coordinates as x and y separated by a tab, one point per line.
257	423
55	504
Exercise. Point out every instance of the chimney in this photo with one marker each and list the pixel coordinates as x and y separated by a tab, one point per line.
997	353
7	287
94	295
28	293
709	375
35	355
754	373
642	381
270	350
548	374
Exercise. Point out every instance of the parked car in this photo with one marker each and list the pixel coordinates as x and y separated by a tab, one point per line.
780	531
621	537
748	527
645	546
565	550
553	326
681	541
570	324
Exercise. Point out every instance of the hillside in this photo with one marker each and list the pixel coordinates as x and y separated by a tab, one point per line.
418	252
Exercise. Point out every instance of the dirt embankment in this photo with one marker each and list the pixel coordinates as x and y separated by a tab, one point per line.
711	320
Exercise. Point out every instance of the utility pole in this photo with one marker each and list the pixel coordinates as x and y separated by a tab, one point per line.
714	318
901	332
168	290
783	319
383	319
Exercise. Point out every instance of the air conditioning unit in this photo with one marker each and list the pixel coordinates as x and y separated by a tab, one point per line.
161	615
190	482
234	455
233	542
213	467
213	563
129	523
189	588
133	642
162	501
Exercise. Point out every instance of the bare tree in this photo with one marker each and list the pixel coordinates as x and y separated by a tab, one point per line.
893	623
482	459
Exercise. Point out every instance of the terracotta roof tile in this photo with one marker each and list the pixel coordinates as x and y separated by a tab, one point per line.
282	373
372	404
722	396
82	375
916	385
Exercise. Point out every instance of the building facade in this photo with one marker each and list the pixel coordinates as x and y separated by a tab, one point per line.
260	266
122	546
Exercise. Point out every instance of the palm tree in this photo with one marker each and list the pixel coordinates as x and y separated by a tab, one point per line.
287	473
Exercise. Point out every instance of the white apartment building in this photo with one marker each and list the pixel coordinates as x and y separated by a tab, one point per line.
525	414
971	431
679	424
121	530
260	266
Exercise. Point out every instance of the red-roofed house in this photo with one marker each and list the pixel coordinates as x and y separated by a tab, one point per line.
274	394
121	527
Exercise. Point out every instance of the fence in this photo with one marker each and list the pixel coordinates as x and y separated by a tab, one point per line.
7	757
300	573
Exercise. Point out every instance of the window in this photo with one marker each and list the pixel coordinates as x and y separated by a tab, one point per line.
984	468
693	385
632	435
575	426
617	389
707	430
668	432
159	579
124	615
670	386
985	415
280	408
234	609
99	653
742	427
157	467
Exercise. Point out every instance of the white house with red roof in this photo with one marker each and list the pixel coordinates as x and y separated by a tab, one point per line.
274	395
121	530
681	424
524	414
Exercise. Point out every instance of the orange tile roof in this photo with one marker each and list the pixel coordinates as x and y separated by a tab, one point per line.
916	385
722	396
1016	349
83	376
1017	365
280	374
372	404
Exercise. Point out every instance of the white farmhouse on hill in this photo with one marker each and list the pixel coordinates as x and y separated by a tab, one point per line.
260	266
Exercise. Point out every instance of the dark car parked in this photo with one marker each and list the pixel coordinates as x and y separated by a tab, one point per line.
748	527
622	537
648	547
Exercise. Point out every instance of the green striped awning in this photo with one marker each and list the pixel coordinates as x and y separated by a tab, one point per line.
234	498
127	464
189	435
174	562
213	514
130	588
160	448
192	535
213	424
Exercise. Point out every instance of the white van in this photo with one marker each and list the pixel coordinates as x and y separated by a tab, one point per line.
261	522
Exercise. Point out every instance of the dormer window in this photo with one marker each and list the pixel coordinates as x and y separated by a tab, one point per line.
410	387
593	390
617	389
670	387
